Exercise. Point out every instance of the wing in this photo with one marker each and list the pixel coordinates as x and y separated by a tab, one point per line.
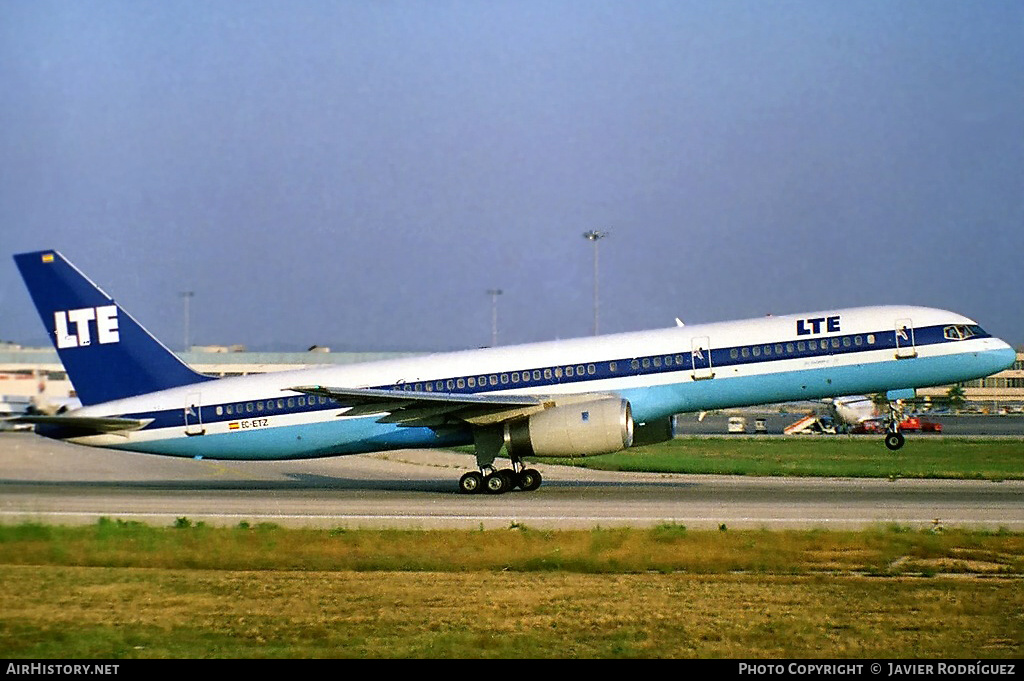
423	409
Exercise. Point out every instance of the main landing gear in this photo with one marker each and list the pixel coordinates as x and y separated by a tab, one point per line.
492	481
488	442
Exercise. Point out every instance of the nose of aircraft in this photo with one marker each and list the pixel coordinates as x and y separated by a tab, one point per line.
1003	356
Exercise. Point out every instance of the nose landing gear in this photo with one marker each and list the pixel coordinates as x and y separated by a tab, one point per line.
893	437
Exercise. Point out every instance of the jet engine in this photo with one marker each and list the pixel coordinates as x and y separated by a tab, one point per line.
582	429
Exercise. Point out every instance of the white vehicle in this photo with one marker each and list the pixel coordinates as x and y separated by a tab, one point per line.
737	424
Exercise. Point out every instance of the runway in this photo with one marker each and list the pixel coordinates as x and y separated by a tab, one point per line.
47	481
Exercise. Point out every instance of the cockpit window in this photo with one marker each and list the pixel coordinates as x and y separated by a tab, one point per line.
962	331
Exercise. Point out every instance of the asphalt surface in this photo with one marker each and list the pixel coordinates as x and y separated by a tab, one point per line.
47	481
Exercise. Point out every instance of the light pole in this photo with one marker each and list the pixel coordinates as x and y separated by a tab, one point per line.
186	296
494	293
593	235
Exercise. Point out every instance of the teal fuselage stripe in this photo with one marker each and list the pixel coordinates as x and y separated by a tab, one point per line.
339	436
334	437
811	384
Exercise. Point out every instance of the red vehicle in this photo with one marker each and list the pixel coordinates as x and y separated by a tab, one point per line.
916	423
867	427
911	424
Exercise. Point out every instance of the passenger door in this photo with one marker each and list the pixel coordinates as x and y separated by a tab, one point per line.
194	415
905	347
700	355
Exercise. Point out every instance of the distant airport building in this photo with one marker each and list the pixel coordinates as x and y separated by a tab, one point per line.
37	372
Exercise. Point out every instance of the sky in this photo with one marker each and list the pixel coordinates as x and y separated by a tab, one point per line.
359	174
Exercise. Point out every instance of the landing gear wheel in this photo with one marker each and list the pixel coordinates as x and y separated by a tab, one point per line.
471	483
511	478
529	480
894	441
496	483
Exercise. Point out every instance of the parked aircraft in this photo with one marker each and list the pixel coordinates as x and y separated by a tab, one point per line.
564	398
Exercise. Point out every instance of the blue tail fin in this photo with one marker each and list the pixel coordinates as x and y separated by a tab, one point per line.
106	353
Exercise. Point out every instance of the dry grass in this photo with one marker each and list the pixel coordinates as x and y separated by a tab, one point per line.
667	548
119	590
125	613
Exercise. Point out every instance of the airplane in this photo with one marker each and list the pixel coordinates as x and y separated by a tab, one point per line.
853	410
564	398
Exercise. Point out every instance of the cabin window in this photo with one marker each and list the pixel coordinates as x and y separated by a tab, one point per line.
767	351
591	369
536	374
515	376
835	343
504	379
871	339
460	383
657	362
734	353
613	367
492	379
801	346
219	411
846	341
634	364
646	362
757	351
547	374
569	372
471	381
745	352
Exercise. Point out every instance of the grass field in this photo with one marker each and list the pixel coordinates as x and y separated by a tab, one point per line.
126	590
837	456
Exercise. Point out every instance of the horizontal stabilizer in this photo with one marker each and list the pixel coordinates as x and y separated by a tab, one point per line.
94	424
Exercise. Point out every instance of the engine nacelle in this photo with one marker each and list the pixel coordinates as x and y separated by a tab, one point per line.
598	427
